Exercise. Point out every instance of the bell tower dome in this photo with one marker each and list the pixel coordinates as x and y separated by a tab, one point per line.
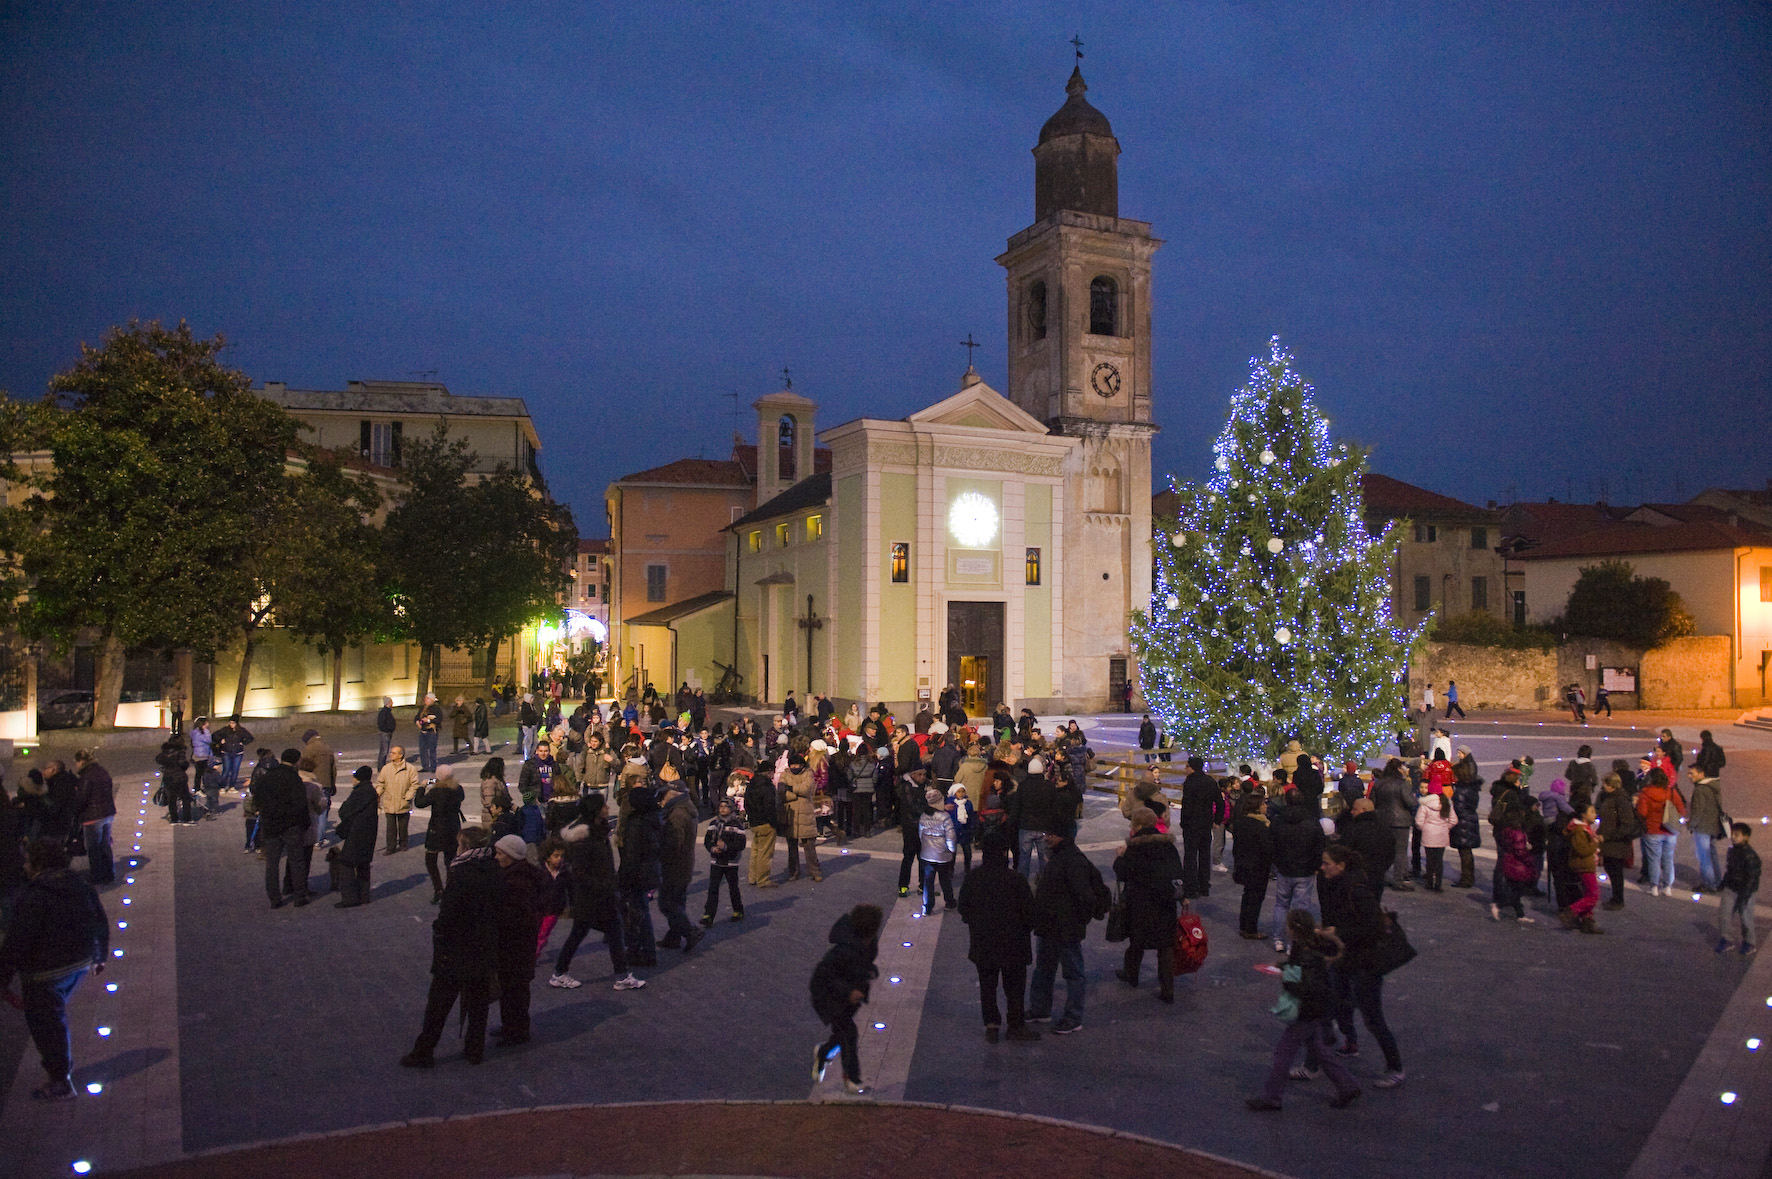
1076	163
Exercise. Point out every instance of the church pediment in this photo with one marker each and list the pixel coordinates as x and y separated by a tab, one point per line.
981	407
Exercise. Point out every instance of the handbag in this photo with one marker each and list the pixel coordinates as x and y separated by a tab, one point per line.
1118	926
1392	949
160	796
1190	942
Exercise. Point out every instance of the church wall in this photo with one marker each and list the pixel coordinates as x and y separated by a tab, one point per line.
1036	639
850	508
898	603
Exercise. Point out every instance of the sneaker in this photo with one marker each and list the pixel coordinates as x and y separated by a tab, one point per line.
821	1060
1390	1080
1021	1035
1495	912
738	916
855	1088
991	1034
1279	946
904	892
1039	1019
1347	1048
1262	1105
565	982
1304	1073
1065	1027
630	983
1524	920
707	920
1724	945
54	1091
1747	948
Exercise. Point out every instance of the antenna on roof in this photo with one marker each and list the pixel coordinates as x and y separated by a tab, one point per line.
423	372
734	396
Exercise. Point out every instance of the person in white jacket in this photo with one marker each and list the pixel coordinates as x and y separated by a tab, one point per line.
1435	818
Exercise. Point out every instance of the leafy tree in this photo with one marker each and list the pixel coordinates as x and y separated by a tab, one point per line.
1270	619
163	480
323	577
471	561
1609	601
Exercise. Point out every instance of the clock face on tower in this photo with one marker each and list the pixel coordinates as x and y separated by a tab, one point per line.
1105	379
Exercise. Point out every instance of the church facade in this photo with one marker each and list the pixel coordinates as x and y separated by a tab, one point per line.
994	542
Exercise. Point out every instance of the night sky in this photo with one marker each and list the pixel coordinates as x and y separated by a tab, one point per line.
1521	250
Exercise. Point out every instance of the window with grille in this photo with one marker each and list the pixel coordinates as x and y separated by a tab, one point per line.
1033	567
901	562
814	527
1104	310
655	583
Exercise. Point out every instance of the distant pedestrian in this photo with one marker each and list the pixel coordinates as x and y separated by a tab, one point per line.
1066	899
725	843
1452	700
1149	870
594	902
840	984
357	825
385	724
231	742
1741	882
174	780
461	726
202	753
937	840
443	798
482	742
430	728
397	783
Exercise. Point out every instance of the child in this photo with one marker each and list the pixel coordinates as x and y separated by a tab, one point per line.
937	838
725	841
840	985
965	821
531	823
553	858
1310	997
1584	851
1735	895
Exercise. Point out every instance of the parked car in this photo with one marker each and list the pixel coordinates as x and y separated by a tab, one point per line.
65	710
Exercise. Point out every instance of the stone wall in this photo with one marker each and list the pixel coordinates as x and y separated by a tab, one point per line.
1488	677
1682	673
1687	673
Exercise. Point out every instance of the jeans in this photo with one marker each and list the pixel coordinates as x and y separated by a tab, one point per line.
46	1016
297	867
844	1039
1735	908
526	739
639	936
277	845
612	938
1505	893
427	752
476	997
384	743
1452	707
673	901
1293	892
1660	849
1013	980
1218	845
231	769
1310	1035
1033	854
1710	871
1363	990
101	869
943	873
1050	956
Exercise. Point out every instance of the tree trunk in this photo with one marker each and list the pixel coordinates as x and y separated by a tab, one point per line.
426	658
491	668
108	686
338	676
245	672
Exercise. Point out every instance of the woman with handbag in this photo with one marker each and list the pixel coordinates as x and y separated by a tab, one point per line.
1148	868
1351	913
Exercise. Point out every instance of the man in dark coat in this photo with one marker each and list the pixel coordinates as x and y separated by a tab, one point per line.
464	950
1298	852
1038	807
1148	867
1064	904
385	724
519	925
997	906
642	844
61	802
1252	861
97	812
358	822
1376	843
1201	796
283	817
676	859
1394	799
59	932
1309	780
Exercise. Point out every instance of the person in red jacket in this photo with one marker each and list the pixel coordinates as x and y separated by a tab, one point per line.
1658	837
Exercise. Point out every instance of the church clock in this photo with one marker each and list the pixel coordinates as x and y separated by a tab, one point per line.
1105	379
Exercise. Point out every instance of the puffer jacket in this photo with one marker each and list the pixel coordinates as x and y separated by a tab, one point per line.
938	836
1467	833
1394	801
1436	829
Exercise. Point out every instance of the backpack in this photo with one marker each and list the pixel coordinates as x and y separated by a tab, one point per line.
1104	898
1190	942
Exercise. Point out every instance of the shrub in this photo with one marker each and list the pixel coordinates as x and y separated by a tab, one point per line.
1479	628
1610	601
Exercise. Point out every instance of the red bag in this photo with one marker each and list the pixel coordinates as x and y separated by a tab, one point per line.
1190	942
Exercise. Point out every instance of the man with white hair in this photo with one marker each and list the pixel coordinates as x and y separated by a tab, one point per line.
430	727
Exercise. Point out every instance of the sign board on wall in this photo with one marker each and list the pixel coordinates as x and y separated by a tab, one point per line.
1618	679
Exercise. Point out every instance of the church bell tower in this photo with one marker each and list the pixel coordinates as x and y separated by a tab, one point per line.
1079	349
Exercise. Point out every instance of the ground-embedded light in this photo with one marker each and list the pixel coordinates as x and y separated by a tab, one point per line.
81	1167
1753	1045
896	980
112	987
104	1031
880	1027
1729	1098
907	946
94	1088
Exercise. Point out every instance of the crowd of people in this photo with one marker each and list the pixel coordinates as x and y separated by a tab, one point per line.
604	812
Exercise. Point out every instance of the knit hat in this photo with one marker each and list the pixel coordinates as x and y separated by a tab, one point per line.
512	846
1559	786
1036	764
820	746
933	797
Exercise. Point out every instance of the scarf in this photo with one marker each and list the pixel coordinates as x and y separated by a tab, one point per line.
469	856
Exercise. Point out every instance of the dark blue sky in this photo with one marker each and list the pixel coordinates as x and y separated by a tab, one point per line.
1514	246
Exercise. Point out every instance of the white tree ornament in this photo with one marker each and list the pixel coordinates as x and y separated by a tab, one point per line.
1267	458
1275	544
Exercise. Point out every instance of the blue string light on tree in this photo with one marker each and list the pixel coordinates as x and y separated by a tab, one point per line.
1270	613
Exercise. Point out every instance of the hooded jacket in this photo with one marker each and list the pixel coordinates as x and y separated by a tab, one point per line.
464	937
1298	842
937	836
1147	871
846	967
1064	898
357	819
998	908
58	926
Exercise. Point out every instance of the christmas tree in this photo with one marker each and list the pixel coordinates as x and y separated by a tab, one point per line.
1270	618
